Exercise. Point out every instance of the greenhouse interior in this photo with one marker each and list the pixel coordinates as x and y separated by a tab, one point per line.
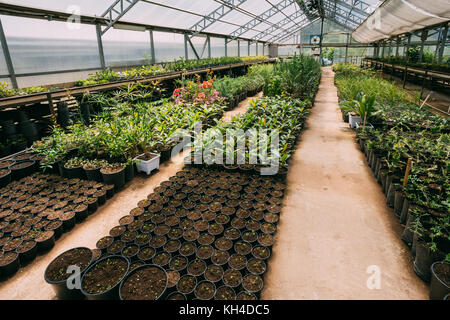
288	149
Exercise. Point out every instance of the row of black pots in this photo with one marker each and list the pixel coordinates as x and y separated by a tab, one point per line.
424	257
21	258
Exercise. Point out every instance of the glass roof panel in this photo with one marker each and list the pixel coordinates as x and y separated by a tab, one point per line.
85	7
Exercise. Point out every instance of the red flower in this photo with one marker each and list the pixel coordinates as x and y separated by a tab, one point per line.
201	96
176	92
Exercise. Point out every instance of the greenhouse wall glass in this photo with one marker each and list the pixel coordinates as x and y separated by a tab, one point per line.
224	150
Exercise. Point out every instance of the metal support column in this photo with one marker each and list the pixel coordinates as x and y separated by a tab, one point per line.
226	48
408	44
248	47
209	46
346	47
256	47
152	47
100	47
7	56
398	47
239	48
186	54
320	43
423	38
442	45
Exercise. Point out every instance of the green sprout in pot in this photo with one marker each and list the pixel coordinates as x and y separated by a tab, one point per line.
363	106
75	163
94	164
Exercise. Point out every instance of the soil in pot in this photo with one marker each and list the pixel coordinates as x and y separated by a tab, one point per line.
205	290
205	252
256	266
176	296
261	252
214	273
146	254
172	246
178	263
252	283
242	248
161	259
116	247
206	239
188	249
117	231
237	262
45	240
173	277
142	239
187	284
114	174
245	295
266	240
130	251
232	278
225	293
197	267
104	242
104	276
9	263
56	271
220	257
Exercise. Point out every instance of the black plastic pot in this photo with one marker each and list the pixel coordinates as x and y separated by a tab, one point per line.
28	129
60	287
69	223
117	178
399	198
424	259
28	255
112	293
438	289
11	267
63	114
129	172
9	128
205	281
407	235
404	213
161	296
46	244
22	169
85	112
5	179
71	173
93	174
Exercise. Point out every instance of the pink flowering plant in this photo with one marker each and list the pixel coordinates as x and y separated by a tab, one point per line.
198	92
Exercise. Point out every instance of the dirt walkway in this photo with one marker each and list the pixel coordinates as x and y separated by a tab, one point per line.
28	282
334	222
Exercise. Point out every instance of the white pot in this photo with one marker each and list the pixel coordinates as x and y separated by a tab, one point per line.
360	125
353	119
147	166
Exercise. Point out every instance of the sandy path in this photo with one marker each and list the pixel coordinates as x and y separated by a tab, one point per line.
334	223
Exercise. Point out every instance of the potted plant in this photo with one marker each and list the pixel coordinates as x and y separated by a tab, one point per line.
73	168
56	273
92	169
114	174
147	162
102	279
440	280
148	282
360	110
